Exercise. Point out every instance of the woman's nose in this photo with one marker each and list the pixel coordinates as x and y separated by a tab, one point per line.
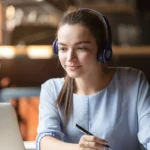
71	55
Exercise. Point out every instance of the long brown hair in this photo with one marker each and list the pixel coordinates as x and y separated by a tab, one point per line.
97	28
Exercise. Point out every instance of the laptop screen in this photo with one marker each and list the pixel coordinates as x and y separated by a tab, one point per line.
10	137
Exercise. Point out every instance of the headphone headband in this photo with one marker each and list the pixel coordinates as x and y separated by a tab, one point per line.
99	15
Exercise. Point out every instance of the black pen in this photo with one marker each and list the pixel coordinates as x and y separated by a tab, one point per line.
88	133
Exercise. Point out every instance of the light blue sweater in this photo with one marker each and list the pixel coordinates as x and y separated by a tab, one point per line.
119	113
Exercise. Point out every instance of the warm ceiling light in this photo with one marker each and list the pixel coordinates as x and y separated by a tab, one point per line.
7	52
10	12
39	52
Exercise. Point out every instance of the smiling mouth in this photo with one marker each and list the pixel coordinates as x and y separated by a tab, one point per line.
72	67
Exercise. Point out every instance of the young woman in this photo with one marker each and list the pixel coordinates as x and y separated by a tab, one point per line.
111	103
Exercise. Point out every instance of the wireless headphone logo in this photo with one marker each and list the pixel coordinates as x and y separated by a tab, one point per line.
106	54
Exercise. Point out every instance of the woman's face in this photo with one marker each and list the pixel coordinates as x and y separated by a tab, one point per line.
77	50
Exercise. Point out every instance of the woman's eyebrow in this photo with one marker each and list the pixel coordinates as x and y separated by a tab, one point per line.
61	44
81	42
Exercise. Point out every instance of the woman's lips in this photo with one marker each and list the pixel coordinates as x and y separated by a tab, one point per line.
72	67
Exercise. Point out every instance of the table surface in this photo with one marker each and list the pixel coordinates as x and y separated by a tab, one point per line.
29	145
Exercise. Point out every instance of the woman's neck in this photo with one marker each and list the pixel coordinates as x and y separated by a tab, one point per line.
93	84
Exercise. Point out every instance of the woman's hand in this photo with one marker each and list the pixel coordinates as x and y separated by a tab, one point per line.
89	142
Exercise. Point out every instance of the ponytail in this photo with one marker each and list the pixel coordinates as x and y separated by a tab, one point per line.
65	97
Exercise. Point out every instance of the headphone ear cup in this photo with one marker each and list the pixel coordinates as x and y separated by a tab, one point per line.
100	57
105	55
55	47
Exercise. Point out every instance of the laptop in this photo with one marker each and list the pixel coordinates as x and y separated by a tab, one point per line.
10	136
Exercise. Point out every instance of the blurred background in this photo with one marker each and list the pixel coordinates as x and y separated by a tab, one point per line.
27	31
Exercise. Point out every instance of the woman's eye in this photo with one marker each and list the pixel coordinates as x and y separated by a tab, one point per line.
81	48
62	48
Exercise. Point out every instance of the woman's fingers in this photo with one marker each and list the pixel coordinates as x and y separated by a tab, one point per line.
92	143
98	140
94	139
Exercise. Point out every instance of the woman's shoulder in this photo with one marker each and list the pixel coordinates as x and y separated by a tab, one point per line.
53	83
130	73
129	70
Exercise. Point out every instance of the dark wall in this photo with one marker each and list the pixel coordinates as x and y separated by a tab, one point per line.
29	72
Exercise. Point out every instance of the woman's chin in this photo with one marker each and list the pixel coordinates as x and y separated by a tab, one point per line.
73	75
